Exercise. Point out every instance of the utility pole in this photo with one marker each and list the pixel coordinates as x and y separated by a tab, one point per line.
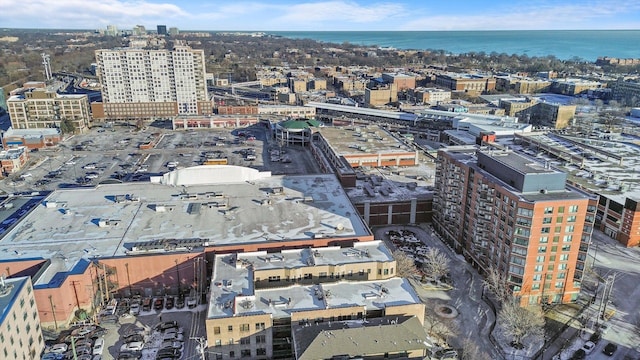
607	294
201	347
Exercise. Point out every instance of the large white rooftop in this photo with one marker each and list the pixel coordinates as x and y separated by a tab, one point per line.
137	218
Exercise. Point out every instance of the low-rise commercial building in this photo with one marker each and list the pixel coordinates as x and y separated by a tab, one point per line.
31	138
13	159
257	298
466	82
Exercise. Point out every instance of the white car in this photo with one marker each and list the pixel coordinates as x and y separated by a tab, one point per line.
98	346
134	309
588	347
132	346
59	348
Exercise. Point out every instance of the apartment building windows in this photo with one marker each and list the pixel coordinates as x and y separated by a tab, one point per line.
559	220
245	341
218	342
560	209
535	286
569	228
571	219
540	259
545	230
562	267
231	342
548	210
537	277
230	328
546	220
244	327
245	353
525	212
564	257
261	351
260	326
559	284
567	238
566	247
544	239
538	268
573	208
542	249
261	339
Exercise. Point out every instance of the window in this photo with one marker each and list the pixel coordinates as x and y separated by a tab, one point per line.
216	330
244	327
559	284
559	220
560	209
538	268
564	257
540	258
569	228
245	353
562	275
548	210
218	342
573	208
230	328
261	339
537	277
525	212
542	249
544	239
261	351
21	303
245	341
571	218
232	354
260	326
535	286
566	248
231	342
546	220
545	230
562	267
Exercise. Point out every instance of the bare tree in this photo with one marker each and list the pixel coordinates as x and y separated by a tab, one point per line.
405	266
436	264
439	327
471	351
519	322
497	284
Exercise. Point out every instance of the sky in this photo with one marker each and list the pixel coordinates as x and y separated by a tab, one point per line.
323	15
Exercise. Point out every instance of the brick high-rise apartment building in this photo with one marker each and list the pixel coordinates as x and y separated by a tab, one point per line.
507	212
142	83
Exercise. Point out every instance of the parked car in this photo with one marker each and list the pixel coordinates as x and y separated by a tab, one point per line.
609	349
133	338
588	347
98	346
169	352
134	309
158	304
132	346
172	336
168	303
165	325
580	354
180	302
146	304
59	348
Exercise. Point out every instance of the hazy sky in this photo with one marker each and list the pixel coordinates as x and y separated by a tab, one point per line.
323	15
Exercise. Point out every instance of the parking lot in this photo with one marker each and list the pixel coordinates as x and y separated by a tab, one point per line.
123	154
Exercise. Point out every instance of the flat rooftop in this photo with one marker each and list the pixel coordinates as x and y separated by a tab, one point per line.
128	219
611	164
372	139
233	292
